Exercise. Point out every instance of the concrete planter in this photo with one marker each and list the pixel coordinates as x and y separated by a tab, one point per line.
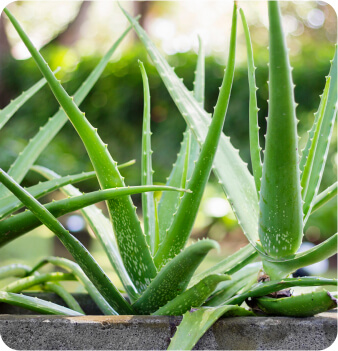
34	332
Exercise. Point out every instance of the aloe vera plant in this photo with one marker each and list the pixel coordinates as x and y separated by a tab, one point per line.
154	271
154	265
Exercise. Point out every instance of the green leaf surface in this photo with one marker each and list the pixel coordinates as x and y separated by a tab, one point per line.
193	297
76	249
262	289
7	112
64	294
196	323
184	218
10	203
35	304
236	180
255	149
304	305
320	141
15	226
132	243
239	280
189	152
280	268
14	270
281	212
174	277
100	225
76	270
230	264
148	201
27	282
46	133
324	197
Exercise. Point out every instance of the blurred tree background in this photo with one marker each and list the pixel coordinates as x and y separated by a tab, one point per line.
73	35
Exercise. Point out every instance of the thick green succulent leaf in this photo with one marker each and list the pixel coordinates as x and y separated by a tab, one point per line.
46	133
64	294
320	141
169	202
281	209
315	139
10	203
189	152
14	270
27	282
132	243
255	149
14	105
304	305
280	268
15	226
324	197
262	289
305	151
193	297
230	264
174	277
148	201
184	218
76	271
76	249
35	304
236	180
100	225
239	280
197	322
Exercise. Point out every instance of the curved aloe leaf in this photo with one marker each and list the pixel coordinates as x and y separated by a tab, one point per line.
132	243
35	304
281	212
38	143
281	268
184	218
315	139
196	323
76	249
255	149
14	105
14	270
10	203
320	141
15	226
75	269
236	180
230	264
305	151
148	201
262	289
324	197
103	230
27	282
64	294
193	297
239	280
304	305
174	277
189	152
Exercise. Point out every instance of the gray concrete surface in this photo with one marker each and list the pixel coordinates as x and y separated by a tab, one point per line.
153	333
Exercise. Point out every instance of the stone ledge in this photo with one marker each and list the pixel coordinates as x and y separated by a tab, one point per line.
153	333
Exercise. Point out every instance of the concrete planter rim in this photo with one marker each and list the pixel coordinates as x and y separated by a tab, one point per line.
47	332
